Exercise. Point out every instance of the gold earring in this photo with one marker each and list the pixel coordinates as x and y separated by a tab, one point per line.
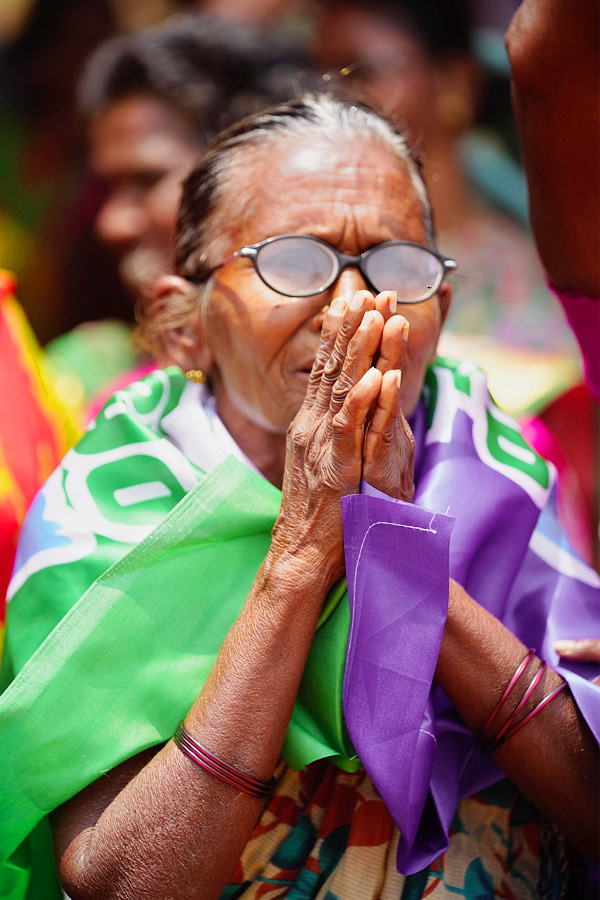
196	375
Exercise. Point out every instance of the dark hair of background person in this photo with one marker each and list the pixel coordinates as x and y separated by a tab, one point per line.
442	28
214	72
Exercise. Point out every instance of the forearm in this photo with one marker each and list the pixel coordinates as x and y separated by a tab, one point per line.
174	829
553	759
553	49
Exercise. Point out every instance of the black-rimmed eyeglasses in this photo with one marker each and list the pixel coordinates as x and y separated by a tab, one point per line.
299	265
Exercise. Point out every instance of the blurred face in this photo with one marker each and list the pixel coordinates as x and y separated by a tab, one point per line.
140	149
262	344
384	62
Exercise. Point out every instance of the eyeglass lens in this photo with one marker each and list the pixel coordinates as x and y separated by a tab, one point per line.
296	266
299	267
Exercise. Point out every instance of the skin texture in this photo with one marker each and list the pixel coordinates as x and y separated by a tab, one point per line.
140	149
159	826
555	58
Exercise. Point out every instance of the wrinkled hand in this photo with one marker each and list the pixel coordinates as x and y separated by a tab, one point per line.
349	426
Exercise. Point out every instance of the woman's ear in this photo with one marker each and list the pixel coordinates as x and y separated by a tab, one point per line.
182	335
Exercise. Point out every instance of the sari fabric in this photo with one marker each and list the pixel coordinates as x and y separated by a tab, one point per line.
327	835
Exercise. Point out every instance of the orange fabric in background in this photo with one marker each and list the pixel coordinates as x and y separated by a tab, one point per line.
34	431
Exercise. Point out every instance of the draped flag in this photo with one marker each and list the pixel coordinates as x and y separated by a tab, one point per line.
34	433
134	562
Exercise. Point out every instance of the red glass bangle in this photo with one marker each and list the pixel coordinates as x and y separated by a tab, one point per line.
494	744
534	712
518	672
218	767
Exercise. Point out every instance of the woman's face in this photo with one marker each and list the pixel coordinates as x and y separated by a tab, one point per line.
262	344
140	150
385	62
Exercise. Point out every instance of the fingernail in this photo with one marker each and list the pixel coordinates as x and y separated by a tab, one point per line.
368	319
358	300
338	305
370	374
405	330
398	379
564	646
393	301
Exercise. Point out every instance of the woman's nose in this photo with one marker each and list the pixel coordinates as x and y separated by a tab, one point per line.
120	222
346	285
348	282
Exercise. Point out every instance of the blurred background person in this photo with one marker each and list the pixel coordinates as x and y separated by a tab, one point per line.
563	176
152	100
563	173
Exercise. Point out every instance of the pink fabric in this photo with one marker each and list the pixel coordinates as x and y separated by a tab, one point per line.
564	433
122	382
583	315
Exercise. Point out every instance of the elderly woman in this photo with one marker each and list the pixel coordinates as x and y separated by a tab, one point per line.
174	582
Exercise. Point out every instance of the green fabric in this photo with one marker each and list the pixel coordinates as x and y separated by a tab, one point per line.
177	592
92	355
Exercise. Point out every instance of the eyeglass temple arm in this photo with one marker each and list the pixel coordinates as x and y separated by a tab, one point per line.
245	251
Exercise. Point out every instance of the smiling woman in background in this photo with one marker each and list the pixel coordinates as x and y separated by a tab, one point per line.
308	302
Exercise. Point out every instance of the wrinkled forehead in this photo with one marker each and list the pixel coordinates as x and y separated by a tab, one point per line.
322	185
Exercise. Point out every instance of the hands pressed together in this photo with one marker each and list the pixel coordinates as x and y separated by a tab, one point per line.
350	425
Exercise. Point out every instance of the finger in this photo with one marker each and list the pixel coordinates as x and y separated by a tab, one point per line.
348	425
359	358
388	452
384	420
386	303
331	325
394	344
362	302
587	649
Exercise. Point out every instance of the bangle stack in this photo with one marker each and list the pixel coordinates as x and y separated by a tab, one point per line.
510	726
218	767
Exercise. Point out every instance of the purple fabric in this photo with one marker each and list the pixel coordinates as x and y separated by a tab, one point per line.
508	555
396	601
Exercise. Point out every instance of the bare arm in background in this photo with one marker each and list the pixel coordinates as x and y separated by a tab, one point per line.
553	47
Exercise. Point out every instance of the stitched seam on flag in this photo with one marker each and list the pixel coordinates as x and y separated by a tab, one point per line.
428	530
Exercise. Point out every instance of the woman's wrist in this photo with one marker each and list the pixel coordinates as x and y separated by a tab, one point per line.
302	573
